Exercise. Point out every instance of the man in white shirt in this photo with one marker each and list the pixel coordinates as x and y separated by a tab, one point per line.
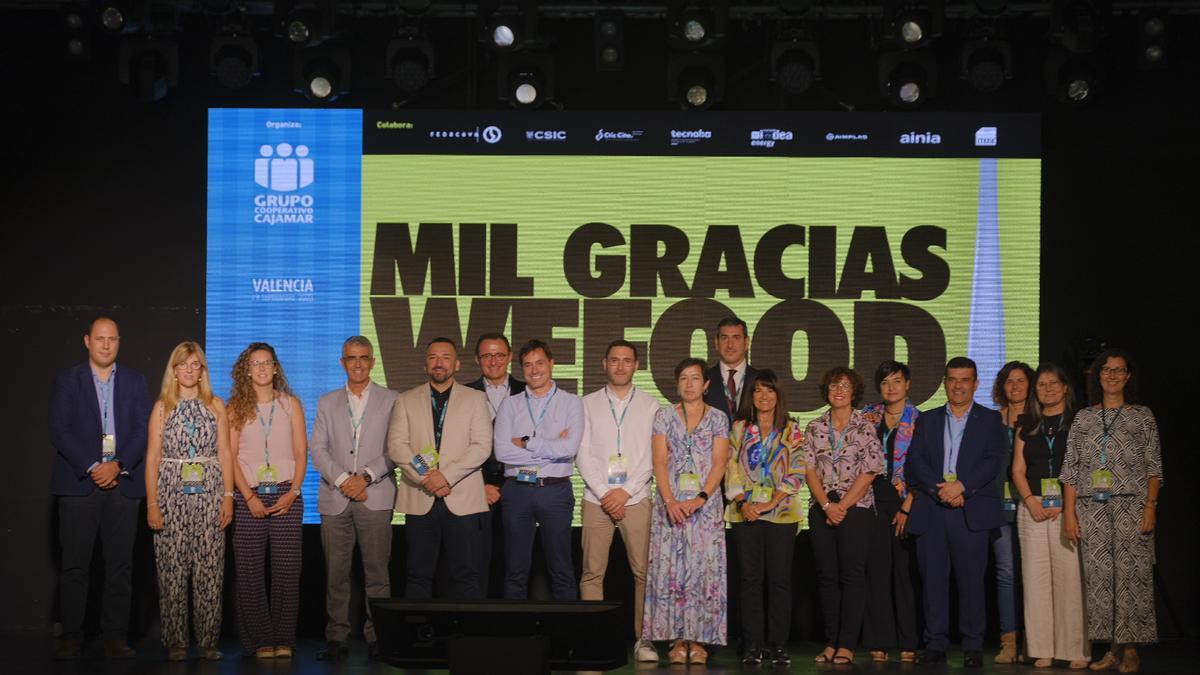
615	462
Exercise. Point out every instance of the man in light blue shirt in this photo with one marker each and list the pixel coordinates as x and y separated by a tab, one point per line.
537	435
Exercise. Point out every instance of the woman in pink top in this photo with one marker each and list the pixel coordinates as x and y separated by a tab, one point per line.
268	432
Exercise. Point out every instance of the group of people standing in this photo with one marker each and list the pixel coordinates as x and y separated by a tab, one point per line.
887	484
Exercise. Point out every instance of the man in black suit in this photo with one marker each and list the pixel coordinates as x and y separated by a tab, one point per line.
493	353
952	465
733	373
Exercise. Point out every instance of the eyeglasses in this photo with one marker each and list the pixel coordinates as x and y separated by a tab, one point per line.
261	364
357	359
841	386
1119	370
494	356
190	365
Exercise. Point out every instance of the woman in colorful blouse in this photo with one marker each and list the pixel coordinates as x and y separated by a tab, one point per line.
1111	476
891	566
766	470
842	455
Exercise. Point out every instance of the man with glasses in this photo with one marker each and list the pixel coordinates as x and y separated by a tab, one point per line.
357	491
98	429
493	354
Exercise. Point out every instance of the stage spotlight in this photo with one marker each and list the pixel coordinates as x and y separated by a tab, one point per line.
986	64
322	74
1152	39
695	81
1072	78
120	16
609	35
1080	25
694	25
795	65
305	23
908	25
409	63
907	78
233	60
526	80
150	66
78	33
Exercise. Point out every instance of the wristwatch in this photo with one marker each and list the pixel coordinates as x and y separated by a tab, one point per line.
702	495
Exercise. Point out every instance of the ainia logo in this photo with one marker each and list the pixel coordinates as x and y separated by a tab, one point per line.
921	138
278	170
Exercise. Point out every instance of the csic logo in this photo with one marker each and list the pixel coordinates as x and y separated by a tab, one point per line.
985	137
492	134
687	136
603	135
920	138
283	290
545	135
767	138
277	170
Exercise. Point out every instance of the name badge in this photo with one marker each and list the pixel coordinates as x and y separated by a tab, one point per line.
193	478
761	494
268	480
1051	493
618	470
689	485
1102	482
527	474
108	448
949	477
1010	504
426	461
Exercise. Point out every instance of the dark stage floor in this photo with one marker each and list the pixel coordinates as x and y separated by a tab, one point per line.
32	655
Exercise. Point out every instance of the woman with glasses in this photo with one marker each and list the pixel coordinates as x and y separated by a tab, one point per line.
766	471
686	592
268	433
842	456
1049	563
1111	476
189	500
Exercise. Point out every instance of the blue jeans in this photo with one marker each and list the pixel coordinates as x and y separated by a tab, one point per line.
1004	543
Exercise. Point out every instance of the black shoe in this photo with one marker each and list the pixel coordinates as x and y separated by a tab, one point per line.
68	649
779	656
372	651
335	650
117	649
753	655
931	657
973	659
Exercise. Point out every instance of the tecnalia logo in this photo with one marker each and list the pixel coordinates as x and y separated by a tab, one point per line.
920	138
691	133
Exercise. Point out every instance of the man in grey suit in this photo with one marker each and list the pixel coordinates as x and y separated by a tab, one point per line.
358	489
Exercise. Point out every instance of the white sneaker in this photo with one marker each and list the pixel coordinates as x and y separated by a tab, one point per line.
644	651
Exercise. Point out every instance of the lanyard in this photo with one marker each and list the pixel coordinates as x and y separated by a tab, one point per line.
688	439
1107	432
439	414
951	458
105	398
192	432
529	407
266	425
1051	435
621	420
766	446
507	388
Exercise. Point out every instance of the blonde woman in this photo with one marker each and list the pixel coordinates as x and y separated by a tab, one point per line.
189	500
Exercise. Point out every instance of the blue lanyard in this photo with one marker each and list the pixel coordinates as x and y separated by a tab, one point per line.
266	425
192	432
1051	434
613	410
767	456
529	407
1107	432
955	443
688	439
440	415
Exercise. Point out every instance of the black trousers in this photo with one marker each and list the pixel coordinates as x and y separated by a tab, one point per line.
113	517
891	599
765	547
841	556
491	530
461	536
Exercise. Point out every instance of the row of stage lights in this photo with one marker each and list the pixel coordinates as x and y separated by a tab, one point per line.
903	33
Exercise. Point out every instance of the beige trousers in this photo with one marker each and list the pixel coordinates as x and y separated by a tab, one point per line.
598	530
1050	569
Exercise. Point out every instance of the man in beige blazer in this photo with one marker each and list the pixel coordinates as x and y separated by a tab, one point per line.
440	434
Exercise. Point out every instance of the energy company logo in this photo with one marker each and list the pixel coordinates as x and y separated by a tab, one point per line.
282	168
920	138
767	138
282	289
687	136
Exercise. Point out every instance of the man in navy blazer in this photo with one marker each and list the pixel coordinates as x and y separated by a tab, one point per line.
952	465
98	418
732	372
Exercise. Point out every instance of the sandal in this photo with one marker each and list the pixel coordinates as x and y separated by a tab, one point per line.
1079	665
826	655
879	656
679	653
177	654
907	656
697	655
264	653
1131	663
1043	663
844	657
1108	662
